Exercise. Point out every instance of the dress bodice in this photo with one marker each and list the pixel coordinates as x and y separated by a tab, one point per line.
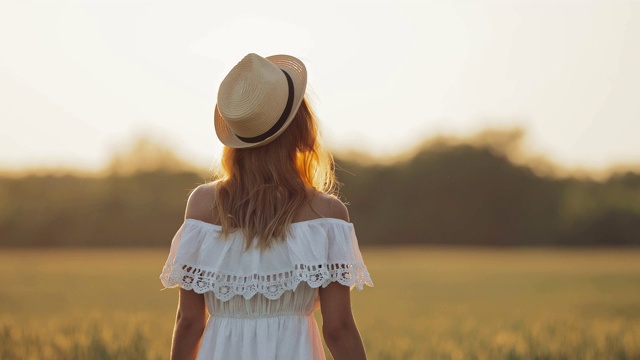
301	302
317	252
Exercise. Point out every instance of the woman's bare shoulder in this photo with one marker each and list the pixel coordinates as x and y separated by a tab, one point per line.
200	203
329	206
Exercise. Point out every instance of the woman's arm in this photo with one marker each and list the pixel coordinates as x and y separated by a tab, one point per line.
338	326
191	318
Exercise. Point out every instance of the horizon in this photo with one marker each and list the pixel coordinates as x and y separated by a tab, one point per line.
507	142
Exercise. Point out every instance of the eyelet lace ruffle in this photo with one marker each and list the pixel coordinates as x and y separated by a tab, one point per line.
317	252
272	286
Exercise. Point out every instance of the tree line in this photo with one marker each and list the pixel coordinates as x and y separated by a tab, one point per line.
444	194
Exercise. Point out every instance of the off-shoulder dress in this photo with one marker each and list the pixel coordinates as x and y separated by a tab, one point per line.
261	302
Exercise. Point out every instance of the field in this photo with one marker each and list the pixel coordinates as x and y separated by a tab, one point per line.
428	303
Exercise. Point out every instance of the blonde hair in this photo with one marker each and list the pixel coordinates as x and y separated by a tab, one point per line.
261	189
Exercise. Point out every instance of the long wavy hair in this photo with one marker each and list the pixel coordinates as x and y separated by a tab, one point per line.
261	189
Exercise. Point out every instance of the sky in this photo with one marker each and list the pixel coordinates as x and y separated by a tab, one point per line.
80	79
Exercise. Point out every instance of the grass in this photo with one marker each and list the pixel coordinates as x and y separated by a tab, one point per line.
428	303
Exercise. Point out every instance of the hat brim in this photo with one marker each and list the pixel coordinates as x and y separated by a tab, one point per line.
298	73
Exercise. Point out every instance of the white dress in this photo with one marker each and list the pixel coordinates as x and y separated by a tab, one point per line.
261	303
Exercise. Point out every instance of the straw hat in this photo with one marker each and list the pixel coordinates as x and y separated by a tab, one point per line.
258	99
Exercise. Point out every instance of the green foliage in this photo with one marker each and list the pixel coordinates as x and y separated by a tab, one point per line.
451	193
459	195
135	210
468	195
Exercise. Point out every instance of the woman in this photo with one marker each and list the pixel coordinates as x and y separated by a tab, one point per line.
268	244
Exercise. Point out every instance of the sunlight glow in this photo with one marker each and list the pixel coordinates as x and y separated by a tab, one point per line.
79	77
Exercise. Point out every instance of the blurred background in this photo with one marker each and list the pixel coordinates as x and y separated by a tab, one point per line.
488	152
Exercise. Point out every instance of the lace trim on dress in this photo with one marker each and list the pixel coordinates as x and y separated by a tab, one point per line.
272	286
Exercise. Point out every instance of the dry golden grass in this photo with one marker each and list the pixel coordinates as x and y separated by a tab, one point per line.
428	303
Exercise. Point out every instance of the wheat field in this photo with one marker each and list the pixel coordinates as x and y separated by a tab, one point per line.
428	303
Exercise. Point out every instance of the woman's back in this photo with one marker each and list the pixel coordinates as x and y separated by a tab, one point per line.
261	301
202	206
